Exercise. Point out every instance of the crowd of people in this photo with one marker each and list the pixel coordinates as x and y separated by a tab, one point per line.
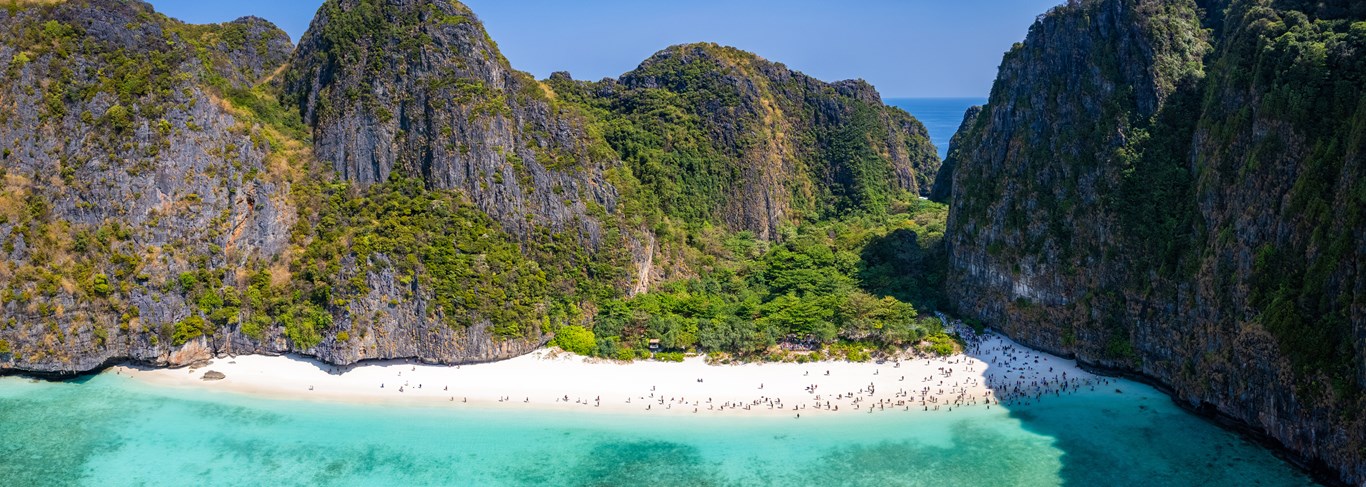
991	371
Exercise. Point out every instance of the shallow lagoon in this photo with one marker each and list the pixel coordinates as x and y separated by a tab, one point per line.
112	430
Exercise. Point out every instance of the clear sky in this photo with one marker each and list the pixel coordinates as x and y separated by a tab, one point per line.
906	48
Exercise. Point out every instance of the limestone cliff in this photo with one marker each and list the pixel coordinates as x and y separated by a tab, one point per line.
721	135
1175	189
417	89
391	188
122	169
158	205
942	191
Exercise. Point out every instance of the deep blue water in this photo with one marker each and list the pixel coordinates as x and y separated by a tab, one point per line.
941	116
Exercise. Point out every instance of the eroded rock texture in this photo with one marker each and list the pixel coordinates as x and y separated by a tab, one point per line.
1175	190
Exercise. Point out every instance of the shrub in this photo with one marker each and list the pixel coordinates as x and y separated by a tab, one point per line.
577	339
941	344
303	326
188	281
256	327
118	118
977	325
101	285
669	356
189	329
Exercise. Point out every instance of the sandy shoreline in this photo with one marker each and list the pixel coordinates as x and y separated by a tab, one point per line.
993	369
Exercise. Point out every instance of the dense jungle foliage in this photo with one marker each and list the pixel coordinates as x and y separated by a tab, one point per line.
843	286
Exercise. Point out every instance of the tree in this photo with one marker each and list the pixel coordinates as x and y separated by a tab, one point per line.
808	317
576	339
674	332
733	334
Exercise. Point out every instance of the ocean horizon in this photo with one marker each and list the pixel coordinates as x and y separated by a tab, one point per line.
941	116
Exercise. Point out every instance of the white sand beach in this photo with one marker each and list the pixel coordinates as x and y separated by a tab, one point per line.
994	370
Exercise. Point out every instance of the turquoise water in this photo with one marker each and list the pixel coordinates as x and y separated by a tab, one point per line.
941	116
110	430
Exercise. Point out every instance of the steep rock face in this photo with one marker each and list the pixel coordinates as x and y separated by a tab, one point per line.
721	135
1182	203
163	201
942	191
158	205
251	49
418	89
119	175
402	91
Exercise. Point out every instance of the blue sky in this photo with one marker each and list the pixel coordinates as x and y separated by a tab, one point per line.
907	48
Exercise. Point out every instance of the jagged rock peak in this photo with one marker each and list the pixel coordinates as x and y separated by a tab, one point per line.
418	89
661	70
727	56
251	49
355	40
783	146
240	52
943	181
113	122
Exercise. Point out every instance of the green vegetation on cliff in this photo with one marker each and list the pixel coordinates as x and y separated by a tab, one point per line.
168	186
90	116
1312	74
442	252
715	135
1310	97
830	286
1187	202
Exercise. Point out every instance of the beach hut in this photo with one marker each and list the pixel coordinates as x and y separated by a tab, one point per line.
654	345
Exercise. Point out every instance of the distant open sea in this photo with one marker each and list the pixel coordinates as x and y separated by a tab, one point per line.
112	431
941	116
